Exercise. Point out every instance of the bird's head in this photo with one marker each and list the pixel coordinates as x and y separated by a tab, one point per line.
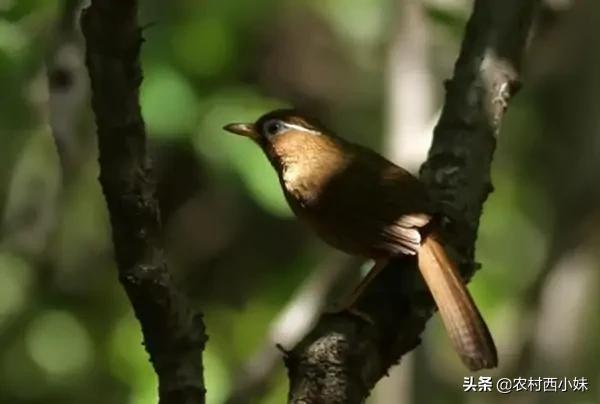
288	137
276	125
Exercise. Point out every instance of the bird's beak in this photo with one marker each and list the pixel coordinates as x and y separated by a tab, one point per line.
242	129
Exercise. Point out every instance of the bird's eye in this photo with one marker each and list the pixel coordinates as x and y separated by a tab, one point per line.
273	127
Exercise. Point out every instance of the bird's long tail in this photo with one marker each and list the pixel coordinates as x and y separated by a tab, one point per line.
464	324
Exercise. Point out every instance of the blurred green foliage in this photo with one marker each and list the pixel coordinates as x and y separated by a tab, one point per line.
67	333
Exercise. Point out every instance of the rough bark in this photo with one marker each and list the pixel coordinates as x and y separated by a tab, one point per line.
344	356
174	334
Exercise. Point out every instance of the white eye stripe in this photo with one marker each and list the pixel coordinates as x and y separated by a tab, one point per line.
299	128
275	127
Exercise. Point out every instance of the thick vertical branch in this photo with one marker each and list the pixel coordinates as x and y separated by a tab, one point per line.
344	356
486	75
173	334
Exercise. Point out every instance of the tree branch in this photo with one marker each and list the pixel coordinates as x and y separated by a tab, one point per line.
344	356
173	334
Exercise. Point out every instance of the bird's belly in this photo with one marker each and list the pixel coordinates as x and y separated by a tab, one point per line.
346	238
337	232
347	244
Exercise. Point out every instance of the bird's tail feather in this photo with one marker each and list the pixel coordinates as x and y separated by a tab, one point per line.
464	324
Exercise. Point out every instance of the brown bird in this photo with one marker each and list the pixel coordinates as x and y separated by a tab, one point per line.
367	206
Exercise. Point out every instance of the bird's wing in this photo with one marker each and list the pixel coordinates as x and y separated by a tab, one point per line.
373	208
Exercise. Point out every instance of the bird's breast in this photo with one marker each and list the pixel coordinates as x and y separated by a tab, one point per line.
301	188
293	177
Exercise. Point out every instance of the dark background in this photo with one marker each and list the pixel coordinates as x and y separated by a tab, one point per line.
371	69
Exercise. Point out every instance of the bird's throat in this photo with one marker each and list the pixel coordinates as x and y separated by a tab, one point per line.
306	165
